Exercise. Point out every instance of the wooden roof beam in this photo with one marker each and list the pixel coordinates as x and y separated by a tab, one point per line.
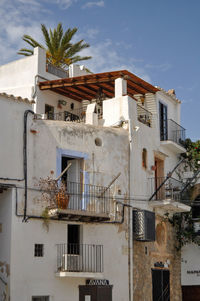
75	91
85	90
47	86
103	87
107	92
141	85
136	89
66	94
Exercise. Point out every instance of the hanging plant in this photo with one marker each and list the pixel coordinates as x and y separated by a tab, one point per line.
183	224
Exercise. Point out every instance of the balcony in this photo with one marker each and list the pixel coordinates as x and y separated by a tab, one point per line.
59	72
144	116
166	192
79	260
82	202
77	115
172	135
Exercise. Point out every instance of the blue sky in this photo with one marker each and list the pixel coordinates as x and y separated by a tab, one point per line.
157	40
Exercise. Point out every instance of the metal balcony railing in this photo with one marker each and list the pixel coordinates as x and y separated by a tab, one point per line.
79	258
173	132
171	189
84	197
59	72
144	116
77	115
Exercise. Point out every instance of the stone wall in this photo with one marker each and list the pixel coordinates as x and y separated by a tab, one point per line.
146	254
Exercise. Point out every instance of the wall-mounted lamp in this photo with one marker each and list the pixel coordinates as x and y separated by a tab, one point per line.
136	128
142	98
62	102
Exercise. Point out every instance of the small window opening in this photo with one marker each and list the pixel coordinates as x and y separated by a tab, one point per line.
72	106
144	158
98	142
39	250
40	298
49	111
74	239
196	208
73	172
65	162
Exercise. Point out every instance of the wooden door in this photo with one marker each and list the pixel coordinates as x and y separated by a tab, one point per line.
191	293
159	177
160	285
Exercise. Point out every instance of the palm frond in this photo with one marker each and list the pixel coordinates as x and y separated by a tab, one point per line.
75	48
28	39
30	51
46	37
24	53
78	58
60	51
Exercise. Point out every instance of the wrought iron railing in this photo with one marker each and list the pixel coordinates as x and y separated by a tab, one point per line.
165	188
174	132
59	72
77	115
144	116
79	258
84	197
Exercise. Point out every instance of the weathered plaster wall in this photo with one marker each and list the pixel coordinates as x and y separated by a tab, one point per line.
38	274
173	106
5	243
146	137
18	77
11	133
162	250
102	164
51	98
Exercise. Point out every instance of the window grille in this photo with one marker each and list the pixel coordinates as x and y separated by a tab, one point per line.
40	298
39	252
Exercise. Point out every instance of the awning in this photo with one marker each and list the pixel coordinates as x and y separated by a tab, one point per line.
88	87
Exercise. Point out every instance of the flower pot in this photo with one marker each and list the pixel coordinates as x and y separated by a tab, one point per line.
62	200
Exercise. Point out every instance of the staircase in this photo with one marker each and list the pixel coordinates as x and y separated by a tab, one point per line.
185	192
169	188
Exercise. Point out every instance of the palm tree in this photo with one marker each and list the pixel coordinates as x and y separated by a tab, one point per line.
61	52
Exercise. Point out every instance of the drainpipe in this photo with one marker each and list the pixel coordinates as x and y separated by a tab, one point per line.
25	162
130	222
37	76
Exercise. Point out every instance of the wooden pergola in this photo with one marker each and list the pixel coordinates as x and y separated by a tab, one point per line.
88	87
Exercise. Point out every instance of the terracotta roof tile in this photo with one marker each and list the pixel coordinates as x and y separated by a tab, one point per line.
16	98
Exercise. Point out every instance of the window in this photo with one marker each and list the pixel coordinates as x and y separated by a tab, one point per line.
72	106
160	285
49	110
73	173
64	163
73	239
196	208
40	298
163	121
39	250
144	158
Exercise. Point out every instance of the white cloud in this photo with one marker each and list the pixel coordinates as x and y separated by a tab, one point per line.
162	67
106	57
64	3
15	21
93	4
19	17
92	33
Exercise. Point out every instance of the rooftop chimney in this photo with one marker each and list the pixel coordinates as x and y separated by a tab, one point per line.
172	92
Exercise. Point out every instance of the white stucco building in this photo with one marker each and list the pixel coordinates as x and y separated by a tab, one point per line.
121	137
